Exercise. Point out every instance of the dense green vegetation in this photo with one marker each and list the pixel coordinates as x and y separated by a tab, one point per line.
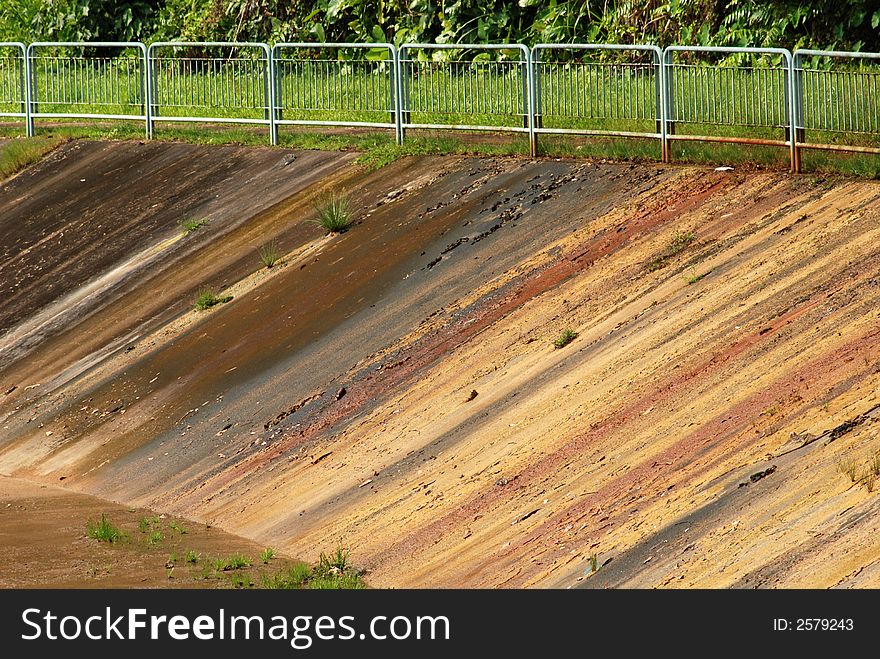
851	25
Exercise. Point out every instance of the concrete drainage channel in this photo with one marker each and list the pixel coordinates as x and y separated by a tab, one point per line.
398	387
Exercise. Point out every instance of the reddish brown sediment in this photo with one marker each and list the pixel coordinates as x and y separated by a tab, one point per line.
332	399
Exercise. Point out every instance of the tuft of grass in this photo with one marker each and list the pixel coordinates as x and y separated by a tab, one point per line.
334	214
267	555
869	480
208	298
874	464
270	254
192	557
156	537
594	563
679	243
296	576
104	531
239	580
174	526
172	558
568	335
693	278
342	581
849	467
234	562
337	561
20	153
190	224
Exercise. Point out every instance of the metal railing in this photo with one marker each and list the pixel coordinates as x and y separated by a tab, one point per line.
837	99
708	99
584	89
13	88
470	91
335	84
766	96
77	80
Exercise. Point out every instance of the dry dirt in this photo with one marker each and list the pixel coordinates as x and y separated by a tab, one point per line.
43	533
396	388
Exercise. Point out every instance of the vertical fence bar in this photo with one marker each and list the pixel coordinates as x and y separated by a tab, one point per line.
662	107
31	91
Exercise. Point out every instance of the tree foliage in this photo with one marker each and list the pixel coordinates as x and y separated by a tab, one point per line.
789	23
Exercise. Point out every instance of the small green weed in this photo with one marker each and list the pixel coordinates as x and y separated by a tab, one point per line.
334	214
192	557
293	577
267	555
693	278
850	468
104	531
208	298
270	254
235	562
156	537
679	243
566	337
239	580
190	224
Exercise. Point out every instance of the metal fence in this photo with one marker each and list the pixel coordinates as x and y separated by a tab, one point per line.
598	89
13	90
810	99
712	101
465	87
837	100
216	82
73	80
339	84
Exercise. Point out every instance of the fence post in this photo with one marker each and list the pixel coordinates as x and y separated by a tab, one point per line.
667	108
402	95
276	81
145	91
269	94
530	101
23	73
153	86
30	93
393	91
796	112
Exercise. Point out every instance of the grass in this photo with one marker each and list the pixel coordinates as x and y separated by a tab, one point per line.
190	224
105	531
679	243
192	557
332	572
156	537
270	254
208	298
238	580
566	337
18	154
267	555
693	278
850	468
334	214
295	576
177	528
234	562
378	149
